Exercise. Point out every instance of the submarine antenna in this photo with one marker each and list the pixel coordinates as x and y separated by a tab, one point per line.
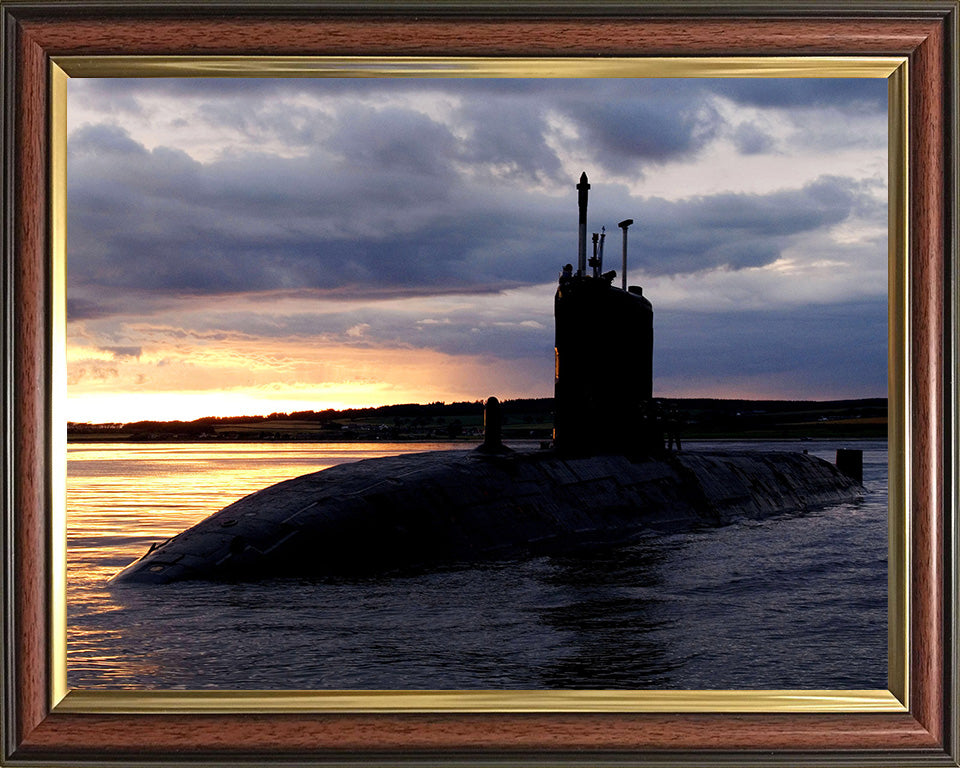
582	188
603	235
623	225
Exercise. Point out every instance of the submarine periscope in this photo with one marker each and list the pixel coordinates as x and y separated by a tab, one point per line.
610	476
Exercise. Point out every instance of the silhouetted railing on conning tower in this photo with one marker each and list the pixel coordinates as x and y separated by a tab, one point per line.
604	359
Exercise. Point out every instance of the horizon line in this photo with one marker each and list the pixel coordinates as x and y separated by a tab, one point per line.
479	401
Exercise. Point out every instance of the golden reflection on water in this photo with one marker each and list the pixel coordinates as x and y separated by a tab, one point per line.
121	497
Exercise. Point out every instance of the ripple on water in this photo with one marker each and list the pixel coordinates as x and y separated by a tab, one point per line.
795	601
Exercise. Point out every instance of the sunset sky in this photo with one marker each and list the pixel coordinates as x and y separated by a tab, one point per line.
251	246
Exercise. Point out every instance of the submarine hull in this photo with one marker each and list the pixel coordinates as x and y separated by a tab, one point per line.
439	507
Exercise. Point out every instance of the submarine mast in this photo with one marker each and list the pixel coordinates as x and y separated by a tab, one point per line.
582	188
603	384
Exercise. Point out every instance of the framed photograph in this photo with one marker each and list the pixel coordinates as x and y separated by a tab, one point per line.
890	79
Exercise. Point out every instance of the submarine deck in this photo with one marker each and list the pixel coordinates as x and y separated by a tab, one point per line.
460	505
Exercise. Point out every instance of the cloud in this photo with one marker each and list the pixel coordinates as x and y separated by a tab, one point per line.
432	216
503	344
392	141
90	372
846	93
357	331
381	213
104	139
87	309
520	128
638	132
750	139
516	149
734	231
120	353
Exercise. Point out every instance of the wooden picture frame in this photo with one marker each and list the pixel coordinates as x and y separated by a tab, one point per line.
39	729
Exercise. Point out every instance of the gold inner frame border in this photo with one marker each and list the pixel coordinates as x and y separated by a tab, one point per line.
894	699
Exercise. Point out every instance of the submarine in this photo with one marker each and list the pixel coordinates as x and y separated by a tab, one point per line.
610	476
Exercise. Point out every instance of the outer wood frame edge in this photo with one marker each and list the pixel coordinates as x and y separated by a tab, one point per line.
891	700
33	734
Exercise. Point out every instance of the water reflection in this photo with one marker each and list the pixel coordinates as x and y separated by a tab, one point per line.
789	602
609	607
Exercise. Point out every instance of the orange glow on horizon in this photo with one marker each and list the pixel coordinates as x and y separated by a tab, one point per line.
156	368
126	407
245	382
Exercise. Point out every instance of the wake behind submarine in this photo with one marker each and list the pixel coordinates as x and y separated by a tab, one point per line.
606	480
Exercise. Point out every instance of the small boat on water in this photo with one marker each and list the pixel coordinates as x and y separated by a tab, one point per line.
609	476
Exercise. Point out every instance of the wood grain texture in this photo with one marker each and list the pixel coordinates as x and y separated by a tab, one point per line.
29	372
464	37
919	734
928	242
295	735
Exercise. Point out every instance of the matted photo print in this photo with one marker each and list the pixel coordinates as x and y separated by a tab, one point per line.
477	383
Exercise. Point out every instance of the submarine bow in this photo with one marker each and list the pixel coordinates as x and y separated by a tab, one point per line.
422	509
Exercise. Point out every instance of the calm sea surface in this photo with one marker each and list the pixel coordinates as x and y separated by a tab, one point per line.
794	601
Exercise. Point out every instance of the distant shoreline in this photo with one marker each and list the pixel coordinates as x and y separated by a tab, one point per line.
466	444
523	419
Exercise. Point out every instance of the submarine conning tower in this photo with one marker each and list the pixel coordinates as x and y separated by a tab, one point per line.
604	356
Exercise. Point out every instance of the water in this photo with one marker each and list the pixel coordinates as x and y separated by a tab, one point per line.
794	601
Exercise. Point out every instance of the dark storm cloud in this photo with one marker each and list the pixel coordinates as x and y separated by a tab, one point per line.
622	122
514	146
160	221
633	131
393	140
382	211
730	230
